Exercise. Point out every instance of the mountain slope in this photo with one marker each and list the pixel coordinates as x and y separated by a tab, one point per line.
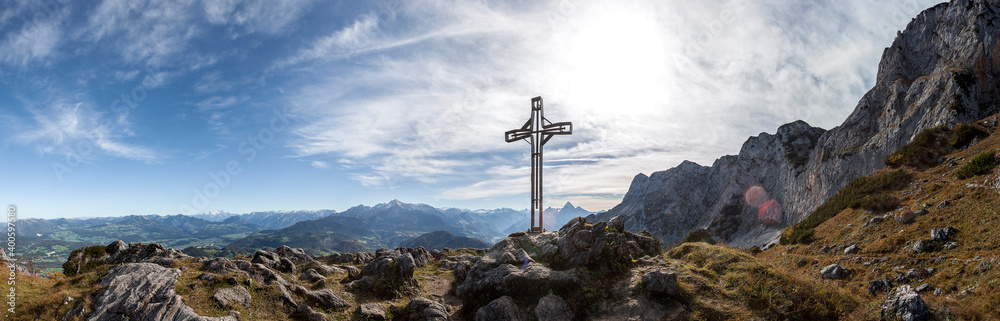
942	70
438	240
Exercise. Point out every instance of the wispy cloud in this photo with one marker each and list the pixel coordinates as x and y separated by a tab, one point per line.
73	129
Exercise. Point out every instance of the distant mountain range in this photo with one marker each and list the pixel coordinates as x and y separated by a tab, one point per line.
361	228
439	240
388	224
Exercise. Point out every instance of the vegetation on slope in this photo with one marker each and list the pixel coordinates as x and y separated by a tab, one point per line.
869	193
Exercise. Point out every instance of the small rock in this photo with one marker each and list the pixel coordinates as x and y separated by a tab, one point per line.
923	287
902	279
917	273
922	245
950	245
942	234
659	282
943	204
553	308
876	286
371	311
311	276
853	249
873	221
905	217
67	300
905	303
801	263
920	212
937	291
236	294
501	309
833	272
304	312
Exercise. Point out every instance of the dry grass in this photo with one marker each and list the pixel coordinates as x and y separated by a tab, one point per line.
968	292
40	298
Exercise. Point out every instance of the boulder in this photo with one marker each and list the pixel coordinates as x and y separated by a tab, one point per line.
285	265
428	310
371	311
142	291
501	309
833	272
553	308
942	234
265	258
386	275
311	276
509	280
662	283
905	303
115	247
304	312
853	249
236	294
326	299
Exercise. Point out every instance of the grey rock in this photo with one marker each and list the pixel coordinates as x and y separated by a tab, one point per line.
236	294
801	262
902	279
553	308
115	247
922	245
876	286
327	299
305	312
917	273
501	309
920	212
943	204
950	245
142	291
285	265
371	311
833	272
853	249
311	276
923	287
659	282
429	310
942	234
905	303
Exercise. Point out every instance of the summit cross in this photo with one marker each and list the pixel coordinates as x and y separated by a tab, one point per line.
537	131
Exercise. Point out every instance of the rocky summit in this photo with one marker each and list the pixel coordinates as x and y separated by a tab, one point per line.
943	69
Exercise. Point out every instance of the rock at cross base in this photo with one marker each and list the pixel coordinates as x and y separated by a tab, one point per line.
553	308
501	309
659	282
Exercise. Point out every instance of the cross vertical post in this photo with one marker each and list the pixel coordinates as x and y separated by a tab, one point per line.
537	131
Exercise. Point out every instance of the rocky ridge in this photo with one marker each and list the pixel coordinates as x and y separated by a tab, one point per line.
943	69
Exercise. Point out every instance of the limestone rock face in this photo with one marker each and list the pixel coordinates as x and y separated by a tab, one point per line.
943	69
142	291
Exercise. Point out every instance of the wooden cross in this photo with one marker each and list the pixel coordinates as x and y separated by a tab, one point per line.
537	131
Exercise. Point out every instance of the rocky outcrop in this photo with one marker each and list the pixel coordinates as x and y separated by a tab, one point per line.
390	273
905	304
553	308
425	309
232	295
531	266
943	69
501	309
142	291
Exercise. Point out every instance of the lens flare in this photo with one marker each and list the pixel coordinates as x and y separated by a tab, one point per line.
755	195
770	212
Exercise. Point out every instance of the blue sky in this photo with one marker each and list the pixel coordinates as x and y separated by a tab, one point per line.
164	107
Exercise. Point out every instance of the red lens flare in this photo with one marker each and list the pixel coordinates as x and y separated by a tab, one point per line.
770	212
755	195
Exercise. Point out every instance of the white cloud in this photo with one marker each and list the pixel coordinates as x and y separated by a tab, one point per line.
319	164
73	129
646	84
255	16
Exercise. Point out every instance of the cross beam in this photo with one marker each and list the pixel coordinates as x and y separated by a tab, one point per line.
537	131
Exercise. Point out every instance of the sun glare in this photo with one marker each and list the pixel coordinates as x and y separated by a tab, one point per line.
617	58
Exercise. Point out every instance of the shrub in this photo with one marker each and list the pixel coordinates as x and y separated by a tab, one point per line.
862	192
981	164
965	134
923	150
84	260
699	235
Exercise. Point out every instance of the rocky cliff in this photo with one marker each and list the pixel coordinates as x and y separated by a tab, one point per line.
942	69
